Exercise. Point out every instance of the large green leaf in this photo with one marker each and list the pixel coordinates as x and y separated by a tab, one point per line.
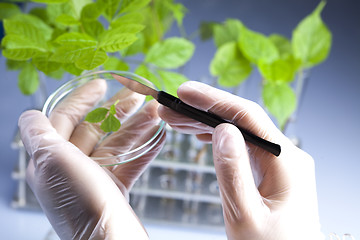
26	28
229	65
18	48
282	69
71	53
43	63
92	11
172	81
132	17
256	46
110	8
311	40
171	53
25	24
28	79
71	68
133	5
14	65
280	100
91	59
8	9
227	32
93	28
75	38
113	63
67	20
50	1
119	27
282	44
110	42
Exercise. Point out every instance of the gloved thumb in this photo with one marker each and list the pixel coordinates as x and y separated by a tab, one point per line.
242	203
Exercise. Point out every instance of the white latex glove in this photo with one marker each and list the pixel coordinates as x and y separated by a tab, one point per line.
81	199
263	196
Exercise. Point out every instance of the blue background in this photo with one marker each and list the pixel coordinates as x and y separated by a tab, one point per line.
328	122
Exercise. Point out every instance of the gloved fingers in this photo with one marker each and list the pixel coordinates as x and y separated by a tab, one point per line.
242	112
129	172
242	203
80	200
129	133
67	114
86	135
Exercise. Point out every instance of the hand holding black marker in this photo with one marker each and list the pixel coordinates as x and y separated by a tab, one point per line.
205	117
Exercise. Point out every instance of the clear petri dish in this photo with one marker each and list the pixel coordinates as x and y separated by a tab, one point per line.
125	153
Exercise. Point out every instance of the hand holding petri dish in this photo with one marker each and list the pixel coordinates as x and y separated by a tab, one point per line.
141	128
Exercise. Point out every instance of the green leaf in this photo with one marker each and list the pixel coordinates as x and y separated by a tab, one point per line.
40	13
178	10
282	44
91	59
171	53
93	28
19	48
49	1
110	42
58	74
71	53
172	81
133	5
29	26
92	11
110	8
279	70
136	47
71	68
14	65
145	72
75	38
73	46
43	63
110	124
8	10
311	40
28	79
228	32
67	20
230	66
96	115
27	31
255	46
120	28
280	100
114	63
131	17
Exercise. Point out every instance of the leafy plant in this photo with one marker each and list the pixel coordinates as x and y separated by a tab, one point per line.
77	35
107	116
73	36
279	59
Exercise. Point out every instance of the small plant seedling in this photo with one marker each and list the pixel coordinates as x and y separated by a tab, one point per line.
107	116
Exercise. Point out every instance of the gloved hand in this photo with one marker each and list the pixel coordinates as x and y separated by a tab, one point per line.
263	196
81	199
